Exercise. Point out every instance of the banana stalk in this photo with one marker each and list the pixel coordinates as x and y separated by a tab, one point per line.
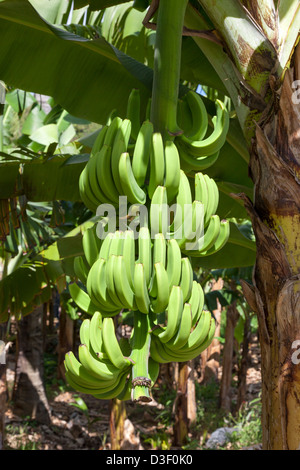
167	60
141	340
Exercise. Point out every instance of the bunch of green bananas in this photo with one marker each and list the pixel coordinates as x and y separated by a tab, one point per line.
198	148
148	273
103	367
197	228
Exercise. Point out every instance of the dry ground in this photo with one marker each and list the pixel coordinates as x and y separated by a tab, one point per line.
71	429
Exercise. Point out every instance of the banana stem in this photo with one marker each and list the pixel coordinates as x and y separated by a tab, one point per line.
141	382
167	63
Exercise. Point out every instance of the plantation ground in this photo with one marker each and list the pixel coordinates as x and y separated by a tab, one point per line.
148	426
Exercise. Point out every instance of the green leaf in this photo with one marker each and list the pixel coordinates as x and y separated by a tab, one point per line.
97	4
52	10
42	180
29	285
34	120
196	68
45	135
82	75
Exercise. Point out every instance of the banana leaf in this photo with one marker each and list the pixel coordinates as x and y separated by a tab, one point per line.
41	180
97	4
31	282
84	76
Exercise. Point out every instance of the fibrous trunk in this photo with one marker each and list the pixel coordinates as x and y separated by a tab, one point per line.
275	170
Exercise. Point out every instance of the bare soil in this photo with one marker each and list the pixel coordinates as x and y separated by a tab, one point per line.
72	429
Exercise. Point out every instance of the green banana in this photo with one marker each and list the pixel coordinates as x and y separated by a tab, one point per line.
183	201
141	153
159	250
199	333
192	353
133	112
184	115
184	329
82	299
208	239
126	392
110	281
112	347
160	352
188	235
84	332
100	387
116	391
191	162
206	191
97	145
186	280
105	246
101	370
120	146
88	389
172	170
173	263
199	118
159	256
111	132
142	298
215	141
91	245
95	332
104	174
79	373
160	301
174	312
116	244
92	174
86	194
197	301
157	163
201	189
122	285
130	188
129	255
220	241
98	289
81	269
159	215
145	253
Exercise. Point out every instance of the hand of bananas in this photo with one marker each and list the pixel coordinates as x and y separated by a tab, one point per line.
148	273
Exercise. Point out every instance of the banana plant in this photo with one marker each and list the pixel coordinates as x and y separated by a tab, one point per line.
252	49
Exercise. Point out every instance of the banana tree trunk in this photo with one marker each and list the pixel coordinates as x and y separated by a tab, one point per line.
244	364
227	362
65	340
259	65
275	169
210	358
